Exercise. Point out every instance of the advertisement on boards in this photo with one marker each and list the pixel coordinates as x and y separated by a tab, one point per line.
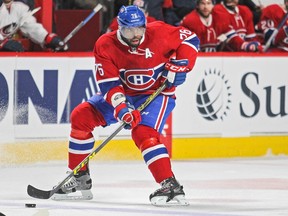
224	96
233	96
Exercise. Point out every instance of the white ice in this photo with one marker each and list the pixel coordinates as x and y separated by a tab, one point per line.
234	187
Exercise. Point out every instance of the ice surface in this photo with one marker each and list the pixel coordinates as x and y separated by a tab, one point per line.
228	187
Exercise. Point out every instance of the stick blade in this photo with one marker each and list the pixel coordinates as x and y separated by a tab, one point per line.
39	194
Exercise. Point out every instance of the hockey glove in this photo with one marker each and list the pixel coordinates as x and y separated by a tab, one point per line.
125	113
175	72
55	43
11	46
252	46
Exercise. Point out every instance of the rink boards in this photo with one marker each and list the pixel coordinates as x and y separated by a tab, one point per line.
230	106
182	149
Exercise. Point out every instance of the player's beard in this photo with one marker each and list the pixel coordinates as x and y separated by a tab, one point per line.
134	42
231	5
205	15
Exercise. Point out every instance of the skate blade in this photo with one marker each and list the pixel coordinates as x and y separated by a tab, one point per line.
78	195
179	200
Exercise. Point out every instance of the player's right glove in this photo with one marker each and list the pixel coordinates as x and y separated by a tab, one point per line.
125	113
11	46
252	46
175	72
55	43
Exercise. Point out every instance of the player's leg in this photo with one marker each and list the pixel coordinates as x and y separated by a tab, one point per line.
153	151
155	154
84	118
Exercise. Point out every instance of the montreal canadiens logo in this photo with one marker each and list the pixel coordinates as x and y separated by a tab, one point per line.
139	79
8	29
213	96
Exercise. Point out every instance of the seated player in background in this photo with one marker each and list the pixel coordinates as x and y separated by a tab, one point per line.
16	16
130	66
254	8
241	18
215	31
271	17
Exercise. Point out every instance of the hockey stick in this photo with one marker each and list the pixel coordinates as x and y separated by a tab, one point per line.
274	34
42	194
82	23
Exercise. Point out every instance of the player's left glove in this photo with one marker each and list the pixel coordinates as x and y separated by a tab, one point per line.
55	43
252	46
125	112
175	72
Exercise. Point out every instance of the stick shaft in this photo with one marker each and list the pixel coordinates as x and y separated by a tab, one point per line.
274	34
82	23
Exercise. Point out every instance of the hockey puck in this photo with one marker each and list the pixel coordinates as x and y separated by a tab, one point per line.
30	205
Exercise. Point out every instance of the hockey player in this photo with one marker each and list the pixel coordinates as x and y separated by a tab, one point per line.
131	63
16	15
271	16
241	18
215	31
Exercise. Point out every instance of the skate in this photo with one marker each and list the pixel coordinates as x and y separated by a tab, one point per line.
76	188
170	194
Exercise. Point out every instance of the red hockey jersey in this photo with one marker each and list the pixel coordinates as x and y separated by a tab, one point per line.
241	20
216	31
139	70
271	16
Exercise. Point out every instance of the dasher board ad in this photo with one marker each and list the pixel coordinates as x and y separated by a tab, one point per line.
224	96
233	96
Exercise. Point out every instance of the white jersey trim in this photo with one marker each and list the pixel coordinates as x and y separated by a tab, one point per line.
77	141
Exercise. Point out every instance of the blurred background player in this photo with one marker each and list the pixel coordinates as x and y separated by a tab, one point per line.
254	8
271	17
16	16
241	18
214	30
130	66
142	5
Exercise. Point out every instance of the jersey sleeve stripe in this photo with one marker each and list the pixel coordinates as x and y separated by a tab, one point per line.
192	41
